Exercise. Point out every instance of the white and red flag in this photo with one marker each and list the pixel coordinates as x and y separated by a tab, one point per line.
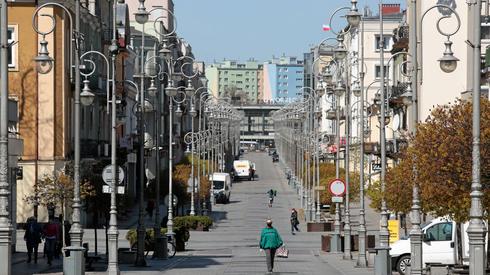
326	27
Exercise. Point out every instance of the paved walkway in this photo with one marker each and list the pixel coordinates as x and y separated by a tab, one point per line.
232	246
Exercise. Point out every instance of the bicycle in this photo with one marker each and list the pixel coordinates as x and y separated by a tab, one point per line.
150	246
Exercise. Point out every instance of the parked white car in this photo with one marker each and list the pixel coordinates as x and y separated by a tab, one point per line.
439	245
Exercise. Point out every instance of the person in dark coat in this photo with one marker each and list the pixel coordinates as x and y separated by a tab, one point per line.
32	237
294	221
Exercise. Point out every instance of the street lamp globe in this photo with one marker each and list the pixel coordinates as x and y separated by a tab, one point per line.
178	112
448	62
44	63
340	52
193	112
356	89
331	114
189	90
171	90
328	76
353	18
86	96
152	90
339	89
141	16
407	96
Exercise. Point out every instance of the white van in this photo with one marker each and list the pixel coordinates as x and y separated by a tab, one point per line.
221	187
438	246
242	169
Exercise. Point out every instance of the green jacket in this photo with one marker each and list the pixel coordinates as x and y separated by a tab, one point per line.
269	238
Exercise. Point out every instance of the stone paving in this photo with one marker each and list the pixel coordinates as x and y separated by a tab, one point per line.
231	246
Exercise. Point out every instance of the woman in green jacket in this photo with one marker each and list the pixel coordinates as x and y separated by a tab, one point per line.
270	240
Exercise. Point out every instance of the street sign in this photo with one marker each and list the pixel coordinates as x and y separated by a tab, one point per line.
394	228
337	187
175	200
107	174
320	188
338	199
376	166
107	189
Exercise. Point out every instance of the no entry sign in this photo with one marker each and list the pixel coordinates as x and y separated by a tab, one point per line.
337	187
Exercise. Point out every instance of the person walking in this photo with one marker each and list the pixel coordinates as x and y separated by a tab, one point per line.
270	240
51	237
32	237
272	193
294	221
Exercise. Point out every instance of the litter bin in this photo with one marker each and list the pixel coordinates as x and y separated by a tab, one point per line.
74	264
161	251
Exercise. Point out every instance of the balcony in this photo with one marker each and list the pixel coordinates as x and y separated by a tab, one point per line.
400	39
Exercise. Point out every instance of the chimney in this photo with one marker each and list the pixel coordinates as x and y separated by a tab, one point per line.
390	9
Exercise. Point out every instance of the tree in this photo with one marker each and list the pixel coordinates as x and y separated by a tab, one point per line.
441	153
57	190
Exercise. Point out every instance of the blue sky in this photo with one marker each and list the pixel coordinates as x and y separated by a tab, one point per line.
241	29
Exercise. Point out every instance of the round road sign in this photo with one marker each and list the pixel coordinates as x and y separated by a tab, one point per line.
337	187
107	174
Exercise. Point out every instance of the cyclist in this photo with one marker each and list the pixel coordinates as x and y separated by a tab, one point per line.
272	193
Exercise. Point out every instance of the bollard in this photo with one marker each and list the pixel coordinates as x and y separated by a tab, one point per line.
382	261
335	243
74	264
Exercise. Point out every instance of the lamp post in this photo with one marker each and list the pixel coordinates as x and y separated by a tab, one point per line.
87	98
44	64
5	223
476	229
172	92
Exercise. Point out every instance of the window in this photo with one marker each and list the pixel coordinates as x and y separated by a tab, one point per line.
12	53
386	41
285	76
440	232
377	70
485	31
285	69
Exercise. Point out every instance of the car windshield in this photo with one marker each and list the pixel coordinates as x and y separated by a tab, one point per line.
218	184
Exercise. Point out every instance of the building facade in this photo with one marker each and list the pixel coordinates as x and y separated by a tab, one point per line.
242	82
283	79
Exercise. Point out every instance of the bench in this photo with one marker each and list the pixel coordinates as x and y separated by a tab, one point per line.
89	260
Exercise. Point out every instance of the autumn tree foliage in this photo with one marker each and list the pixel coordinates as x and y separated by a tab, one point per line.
439	159
57	190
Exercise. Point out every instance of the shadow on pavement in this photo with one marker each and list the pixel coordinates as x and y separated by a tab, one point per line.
219	215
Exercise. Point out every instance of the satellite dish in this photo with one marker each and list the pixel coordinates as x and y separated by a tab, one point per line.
396	122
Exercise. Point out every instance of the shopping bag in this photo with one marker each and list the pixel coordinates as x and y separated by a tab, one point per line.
282	252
